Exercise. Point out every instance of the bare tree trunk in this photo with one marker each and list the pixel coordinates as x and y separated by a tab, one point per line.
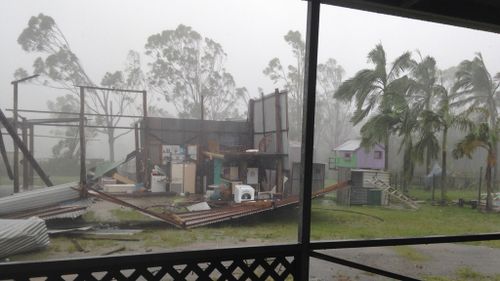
111	144
386	144
489	199
443	164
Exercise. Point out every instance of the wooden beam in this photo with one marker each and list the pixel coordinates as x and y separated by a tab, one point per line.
24	130
279	141
32	150
24	149
16	149
3	151
83	170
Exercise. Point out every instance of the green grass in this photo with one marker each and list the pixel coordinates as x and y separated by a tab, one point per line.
126	215
452	195
428	220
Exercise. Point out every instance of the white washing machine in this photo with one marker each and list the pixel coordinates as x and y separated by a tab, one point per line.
243	192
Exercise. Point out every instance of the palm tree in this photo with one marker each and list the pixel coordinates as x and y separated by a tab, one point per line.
482	136
371	88
442	119
422	91
479	89
400	120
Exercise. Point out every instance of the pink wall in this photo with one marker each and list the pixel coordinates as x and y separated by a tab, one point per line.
366	159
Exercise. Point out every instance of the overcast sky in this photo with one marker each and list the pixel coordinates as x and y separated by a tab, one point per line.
251	33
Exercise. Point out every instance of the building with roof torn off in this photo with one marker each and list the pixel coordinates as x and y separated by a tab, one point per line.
237	168
197	156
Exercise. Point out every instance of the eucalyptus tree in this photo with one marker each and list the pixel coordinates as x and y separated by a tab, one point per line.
478	88
291	77
481	136
372	89
59	67
189	71
332	124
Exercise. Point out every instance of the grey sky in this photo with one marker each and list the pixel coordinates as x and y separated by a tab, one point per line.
251	33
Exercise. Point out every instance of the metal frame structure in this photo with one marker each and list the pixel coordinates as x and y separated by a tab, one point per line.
82	125
294	258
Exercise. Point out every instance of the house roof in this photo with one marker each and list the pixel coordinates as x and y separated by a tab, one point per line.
352	145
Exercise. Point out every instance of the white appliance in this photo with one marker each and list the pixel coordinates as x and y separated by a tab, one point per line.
243	192
252	175
158	183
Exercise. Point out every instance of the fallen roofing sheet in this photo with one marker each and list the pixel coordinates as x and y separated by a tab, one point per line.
39	198
19	236
105	168
200	218
60	201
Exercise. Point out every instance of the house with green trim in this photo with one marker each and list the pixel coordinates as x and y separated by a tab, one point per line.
352	155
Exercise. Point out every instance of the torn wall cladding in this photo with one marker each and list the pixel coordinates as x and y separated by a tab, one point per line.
269	116
171	131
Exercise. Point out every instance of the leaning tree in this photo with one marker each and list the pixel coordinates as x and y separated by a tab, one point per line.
61	68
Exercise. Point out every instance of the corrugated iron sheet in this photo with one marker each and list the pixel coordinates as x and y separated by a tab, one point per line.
200	218
40	198
18	236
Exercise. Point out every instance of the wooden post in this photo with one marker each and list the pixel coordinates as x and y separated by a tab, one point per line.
251	115
31	181
16	148
138	175
145	143
83	170
24	130
279	142
263	122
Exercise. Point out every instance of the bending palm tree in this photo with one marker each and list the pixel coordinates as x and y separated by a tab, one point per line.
371	88
479	89
422	91
483	136
442	119
401	120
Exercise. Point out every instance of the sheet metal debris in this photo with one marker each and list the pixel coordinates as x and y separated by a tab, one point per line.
39	198
205	217
61	201
19	236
